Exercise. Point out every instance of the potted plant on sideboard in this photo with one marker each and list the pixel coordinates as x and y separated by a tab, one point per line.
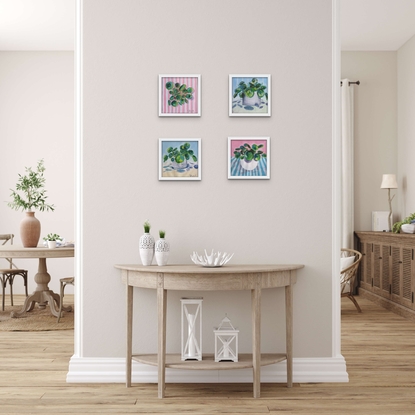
28	195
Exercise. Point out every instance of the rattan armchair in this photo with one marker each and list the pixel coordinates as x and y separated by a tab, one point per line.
348	275
7	275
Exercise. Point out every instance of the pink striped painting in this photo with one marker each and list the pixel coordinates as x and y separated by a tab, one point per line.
179	95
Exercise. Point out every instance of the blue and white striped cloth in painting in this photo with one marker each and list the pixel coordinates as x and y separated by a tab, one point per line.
237	170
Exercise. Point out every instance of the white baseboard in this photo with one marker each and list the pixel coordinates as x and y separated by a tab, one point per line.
112	370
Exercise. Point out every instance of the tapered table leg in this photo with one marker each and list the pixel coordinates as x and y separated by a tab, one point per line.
129	335
256	339
289	333
161	359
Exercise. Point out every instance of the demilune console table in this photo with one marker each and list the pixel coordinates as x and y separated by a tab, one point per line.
195	278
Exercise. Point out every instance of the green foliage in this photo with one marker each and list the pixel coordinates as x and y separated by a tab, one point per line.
147	226
52	237
249	90
248	153
162	233
32	193
396	228
179	94
179	155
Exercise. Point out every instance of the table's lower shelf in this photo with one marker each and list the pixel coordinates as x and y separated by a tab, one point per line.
174	361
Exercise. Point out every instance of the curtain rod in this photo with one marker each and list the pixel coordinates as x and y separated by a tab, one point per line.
350	82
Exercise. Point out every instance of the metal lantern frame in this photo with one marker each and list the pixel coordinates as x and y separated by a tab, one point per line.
226	342
191	316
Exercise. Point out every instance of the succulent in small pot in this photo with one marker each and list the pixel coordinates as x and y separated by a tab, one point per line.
51	239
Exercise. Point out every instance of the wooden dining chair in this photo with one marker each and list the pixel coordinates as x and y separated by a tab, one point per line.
8	274
349	263
64	282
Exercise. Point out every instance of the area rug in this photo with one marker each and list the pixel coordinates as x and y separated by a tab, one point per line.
35	320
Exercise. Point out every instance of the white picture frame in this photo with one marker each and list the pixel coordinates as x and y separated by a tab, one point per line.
180	95
249	158
257	105
180	159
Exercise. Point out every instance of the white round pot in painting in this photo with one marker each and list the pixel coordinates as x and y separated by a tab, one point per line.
248	165
255	100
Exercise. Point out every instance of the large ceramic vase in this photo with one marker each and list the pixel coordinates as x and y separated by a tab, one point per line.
161	251
146	245
30	230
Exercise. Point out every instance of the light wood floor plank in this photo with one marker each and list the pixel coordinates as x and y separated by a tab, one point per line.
378	345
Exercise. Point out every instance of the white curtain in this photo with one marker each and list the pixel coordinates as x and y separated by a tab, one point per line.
347	165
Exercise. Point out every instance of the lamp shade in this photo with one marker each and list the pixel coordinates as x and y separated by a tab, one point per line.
389	182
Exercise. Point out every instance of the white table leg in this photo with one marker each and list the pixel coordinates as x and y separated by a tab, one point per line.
161	358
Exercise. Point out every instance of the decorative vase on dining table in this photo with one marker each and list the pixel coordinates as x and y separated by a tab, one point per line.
30	230
146	245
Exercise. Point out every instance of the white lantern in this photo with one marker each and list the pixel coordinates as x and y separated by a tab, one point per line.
226	342
191	328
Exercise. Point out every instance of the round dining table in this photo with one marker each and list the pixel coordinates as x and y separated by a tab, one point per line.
42	294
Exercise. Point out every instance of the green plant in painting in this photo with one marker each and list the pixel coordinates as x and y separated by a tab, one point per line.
147	226
179	93
396	228
249	153
179	155
244	90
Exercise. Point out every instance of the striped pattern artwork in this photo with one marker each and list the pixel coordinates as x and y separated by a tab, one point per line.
188	108
238	170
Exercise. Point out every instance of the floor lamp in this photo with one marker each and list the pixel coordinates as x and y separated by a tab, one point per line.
389	182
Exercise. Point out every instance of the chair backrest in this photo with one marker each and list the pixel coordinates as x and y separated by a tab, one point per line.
6	238
348	274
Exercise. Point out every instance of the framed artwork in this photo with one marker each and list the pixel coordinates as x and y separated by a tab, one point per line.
249	95
180	159
248	157
179	95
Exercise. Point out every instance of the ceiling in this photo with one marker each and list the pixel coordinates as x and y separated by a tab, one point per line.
49	24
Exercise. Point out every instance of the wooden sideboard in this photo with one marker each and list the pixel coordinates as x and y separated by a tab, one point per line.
254	278
387	271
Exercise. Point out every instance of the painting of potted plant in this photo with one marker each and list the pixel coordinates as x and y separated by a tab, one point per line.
180	159
179	95
30	194
248	157
249	95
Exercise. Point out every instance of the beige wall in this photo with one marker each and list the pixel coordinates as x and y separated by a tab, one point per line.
37	121
375	129
287	219
406	127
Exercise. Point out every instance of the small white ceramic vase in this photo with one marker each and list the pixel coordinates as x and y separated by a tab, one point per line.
51	244
146	245
162	250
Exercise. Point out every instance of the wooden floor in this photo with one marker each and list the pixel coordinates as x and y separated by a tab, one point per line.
378	345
